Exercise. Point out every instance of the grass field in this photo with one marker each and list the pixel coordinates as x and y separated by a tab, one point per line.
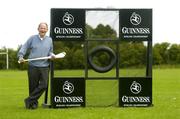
166	100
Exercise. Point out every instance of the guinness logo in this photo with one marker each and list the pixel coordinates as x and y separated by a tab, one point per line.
135	19
68	87
135	87
68	19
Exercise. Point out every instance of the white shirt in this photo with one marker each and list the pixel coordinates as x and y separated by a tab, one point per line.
41	37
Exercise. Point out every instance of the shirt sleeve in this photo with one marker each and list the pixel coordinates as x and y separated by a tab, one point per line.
51	48
24	48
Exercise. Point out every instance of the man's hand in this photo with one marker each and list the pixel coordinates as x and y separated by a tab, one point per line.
21	60
53	56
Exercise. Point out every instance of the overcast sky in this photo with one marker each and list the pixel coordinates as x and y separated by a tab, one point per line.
19	18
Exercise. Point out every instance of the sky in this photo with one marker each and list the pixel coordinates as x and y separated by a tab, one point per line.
20	18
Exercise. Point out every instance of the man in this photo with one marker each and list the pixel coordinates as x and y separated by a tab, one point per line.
39	45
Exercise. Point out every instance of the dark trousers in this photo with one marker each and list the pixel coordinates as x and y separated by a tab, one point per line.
38	80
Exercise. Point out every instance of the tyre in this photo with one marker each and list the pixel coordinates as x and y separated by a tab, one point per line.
98	49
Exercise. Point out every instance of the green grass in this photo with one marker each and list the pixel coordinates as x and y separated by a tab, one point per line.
166	99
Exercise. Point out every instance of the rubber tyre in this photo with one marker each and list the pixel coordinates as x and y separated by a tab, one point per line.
111	54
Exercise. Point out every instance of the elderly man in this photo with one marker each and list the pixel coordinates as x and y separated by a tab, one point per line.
39	45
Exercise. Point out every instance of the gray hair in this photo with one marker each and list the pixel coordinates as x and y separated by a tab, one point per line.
43	23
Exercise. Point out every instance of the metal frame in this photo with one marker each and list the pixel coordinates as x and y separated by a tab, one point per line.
117	41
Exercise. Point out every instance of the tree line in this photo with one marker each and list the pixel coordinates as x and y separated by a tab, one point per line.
132	54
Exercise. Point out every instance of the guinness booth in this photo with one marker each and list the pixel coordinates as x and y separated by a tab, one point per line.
70	27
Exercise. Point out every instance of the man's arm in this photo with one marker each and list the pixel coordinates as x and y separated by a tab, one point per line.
23	50
51	51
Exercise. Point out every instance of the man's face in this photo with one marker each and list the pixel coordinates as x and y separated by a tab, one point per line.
42	30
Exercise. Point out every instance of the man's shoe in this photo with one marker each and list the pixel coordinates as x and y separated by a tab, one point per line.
27	103
34	105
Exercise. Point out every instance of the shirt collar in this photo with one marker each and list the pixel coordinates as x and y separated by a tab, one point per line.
40	37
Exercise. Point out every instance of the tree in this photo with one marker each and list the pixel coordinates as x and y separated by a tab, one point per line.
89	31
173	53
102	31
162	49
132	54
